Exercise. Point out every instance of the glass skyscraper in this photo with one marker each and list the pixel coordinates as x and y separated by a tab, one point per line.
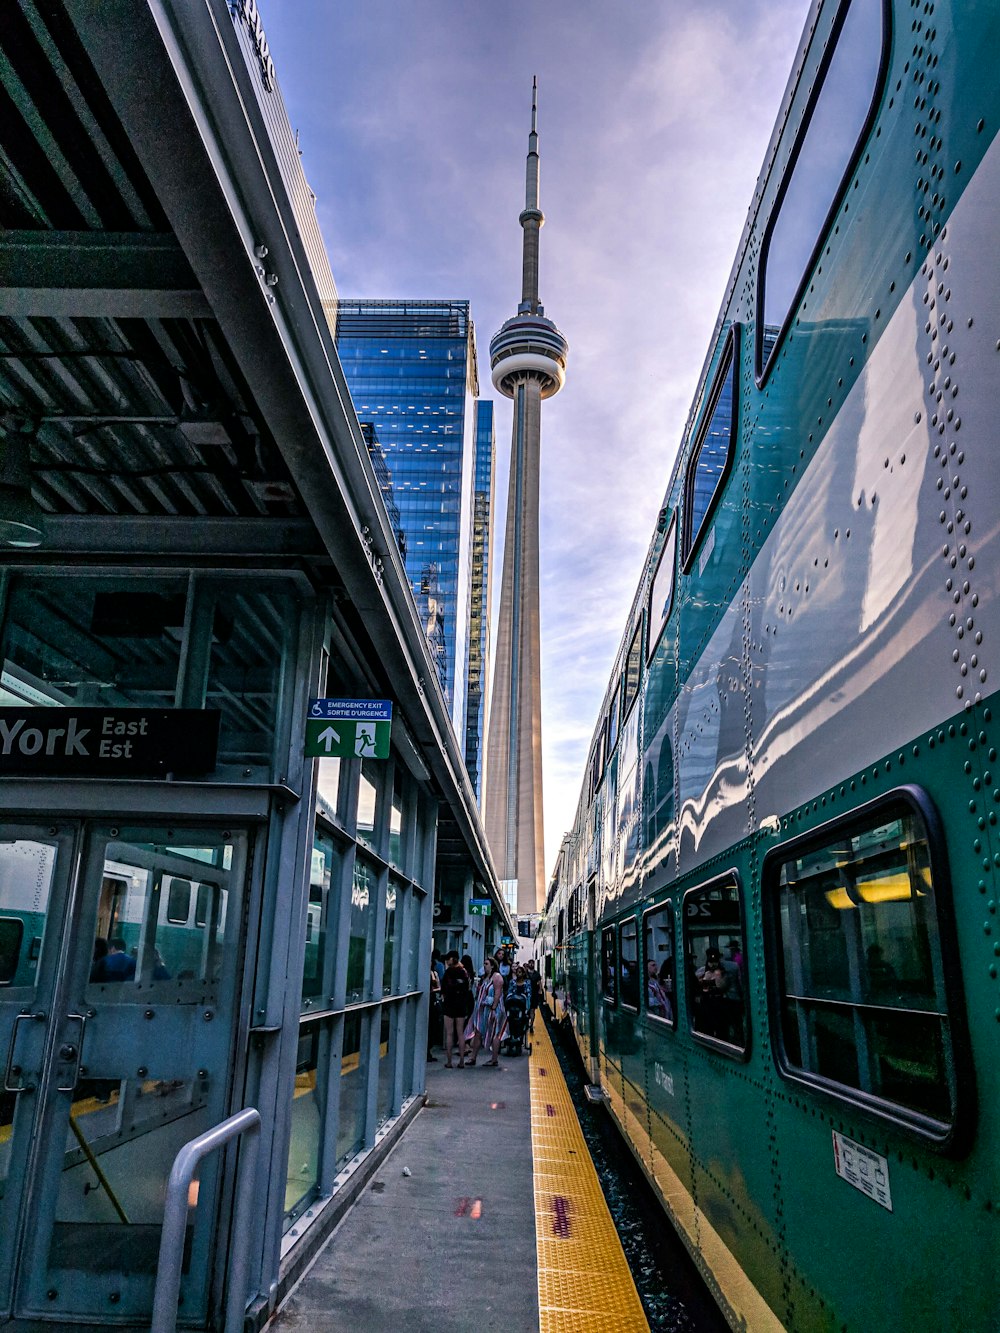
479	594
411	370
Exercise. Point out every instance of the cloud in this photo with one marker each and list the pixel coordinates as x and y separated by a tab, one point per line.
654	118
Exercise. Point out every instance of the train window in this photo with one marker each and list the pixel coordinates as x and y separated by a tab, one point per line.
633	670
207	895
613	722
836	122
628	952
178	901
716	971
609	965
861	961
11	935
658	959
661	594
712	455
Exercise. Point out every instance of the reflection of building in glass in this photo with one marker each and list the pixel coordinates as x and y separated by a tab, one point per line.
411	369
382	475
479	595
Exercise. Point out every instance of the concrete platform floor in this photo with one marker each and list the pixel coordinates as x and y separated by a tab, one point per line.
452	1244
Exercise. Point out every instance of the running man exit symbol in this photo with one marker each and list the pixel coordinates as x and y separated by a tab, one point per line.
348	728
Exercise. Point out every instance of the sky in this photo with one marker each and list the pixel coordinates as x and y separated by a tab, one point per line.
653	118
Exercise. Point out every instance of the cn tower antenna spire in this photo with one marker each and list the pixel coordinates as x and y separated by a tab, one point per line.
532	217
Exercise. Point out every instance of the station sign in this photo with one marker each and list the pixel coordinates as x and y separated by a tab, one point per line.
480	907
107	742
348	728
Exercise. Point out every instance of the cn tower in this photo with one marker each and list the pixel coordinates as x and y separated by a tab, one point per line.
528	360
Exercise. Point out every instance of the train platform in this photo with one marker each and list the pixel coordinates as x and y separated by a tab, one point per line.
488	1209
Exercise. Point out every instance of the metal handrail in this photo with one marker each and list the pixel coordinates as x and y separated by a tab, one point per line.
182	1174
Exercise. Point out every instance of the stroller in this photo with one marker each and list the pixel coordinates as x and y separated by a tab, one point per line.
518	1001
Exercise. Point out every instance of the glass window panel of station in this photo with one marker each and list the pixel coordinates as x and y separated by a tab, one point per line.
609	965
408	1023
368	783
249	644
328	788
628	963
361	942
410	960
822	160
163	914
324	882
863	996
711	456
393	915
716	973
308	1114
386	1063
661	593
353	1086
633	671
396	821
27	871
658	957
97	641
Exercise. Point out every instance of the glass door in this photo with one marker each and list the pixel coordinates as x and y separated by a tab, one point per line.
137	1062
35	872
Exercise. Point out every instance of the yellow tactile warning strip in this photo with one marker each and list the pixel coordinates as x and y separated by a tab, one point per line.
583	1278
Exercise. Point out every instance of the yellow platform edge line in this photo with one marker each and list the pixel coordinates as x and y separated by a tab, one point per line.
571	1216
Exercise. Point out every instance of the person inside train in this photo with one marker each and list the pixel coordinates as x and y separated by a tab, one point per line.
119	965
657	999
712	980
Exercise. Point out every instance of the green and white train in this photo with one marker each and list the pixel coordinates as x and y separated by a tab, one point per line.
773	926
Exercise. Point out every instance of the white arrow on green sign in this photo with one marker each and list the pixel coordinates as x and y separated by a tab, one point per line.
480	907
348	729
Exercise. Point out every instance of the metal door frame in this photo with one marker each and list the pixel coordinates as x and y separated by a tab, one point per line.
86	807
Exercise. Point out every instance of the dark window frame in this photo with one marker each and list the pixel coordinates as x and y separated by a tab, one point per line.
170	914
16	952
728	369
762	369
629	921
955	1023
670	532
738	1054
666	906
610	932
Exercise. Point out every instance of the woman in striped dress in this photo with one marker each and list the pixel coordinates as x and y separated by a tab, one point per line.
488	1025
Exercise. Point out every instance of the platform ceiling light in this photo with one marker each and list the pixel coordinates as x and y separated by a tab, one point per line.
21	516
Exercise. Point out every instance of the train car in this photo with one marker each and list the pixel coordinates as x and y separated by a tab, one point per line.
774	923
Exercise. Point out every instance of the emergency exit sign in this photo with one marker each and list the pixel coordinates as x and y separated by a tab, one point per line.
348	729
480	907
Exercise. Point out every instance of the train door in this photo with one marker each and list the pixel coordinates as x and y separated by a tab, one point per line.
119	1045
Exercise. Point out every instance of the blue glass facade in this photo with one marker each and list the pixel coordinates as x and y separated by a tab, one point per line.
411	370
479	593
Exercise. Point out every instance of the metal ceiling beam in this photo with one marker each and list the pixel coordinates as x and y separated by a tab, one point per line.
130	275
168	536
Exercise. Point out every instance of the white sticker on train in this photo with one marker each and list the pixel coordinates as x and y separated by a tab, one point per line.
862	1168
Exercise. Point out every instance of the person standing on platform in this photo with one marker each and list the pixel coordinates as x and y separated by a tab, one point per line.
455	992
534	983
434	1033
488	1025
